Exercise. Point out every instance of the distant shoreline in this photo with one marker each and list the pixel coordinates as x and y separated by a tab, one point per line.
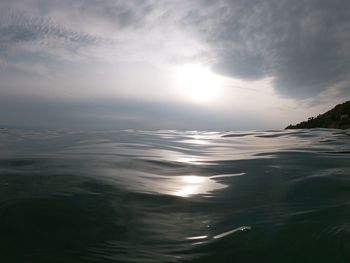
336	118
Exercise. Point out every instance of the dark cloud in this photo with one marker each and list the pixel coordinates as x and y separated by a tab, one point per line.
120	13
303	45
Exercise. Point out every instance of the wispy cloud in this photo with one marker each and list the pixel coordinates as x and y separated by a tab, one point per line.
24	34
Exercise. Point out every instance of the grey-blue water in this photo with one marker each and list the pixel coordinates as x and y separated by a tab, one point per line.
168	196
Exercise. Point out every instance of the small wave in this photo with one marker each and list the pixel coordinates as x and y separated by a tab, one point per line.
239	229
237	135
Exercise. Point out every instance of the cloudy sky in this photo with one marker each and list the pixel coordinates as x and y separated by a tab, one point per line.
171	64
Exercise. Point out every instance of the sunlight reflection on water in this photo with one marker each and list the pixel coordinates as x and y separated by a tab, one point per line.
191	185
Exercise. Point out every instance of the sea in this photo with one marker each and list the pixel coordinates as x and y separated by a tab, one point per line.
174	196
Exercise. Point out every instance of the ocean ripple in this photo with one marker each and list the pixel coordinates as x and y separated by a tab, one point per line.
170	196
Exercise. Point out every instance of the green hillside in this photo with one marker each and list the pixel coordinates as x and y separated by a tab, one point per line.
336	118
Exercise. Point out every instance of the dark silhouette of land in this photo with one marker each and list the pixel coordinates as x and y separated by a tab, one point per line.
336	118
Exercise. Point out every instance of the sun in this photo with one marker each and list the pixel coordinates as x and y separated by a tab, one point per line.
197	83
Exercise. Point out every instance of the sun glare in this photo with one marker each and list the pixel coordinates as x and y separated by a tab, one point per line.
197	82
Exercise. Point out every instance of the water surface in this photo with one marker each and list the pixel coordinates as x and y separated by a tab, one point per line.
169	196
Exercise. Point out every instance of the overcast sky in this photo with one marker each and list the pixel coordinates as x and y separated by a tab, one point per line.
152	64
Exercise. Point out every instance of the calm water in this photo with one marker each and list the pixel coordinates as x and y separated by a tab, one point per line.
167	196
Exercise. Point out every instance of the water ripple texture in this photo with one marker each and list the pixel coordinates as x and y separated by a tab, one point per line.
171	196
